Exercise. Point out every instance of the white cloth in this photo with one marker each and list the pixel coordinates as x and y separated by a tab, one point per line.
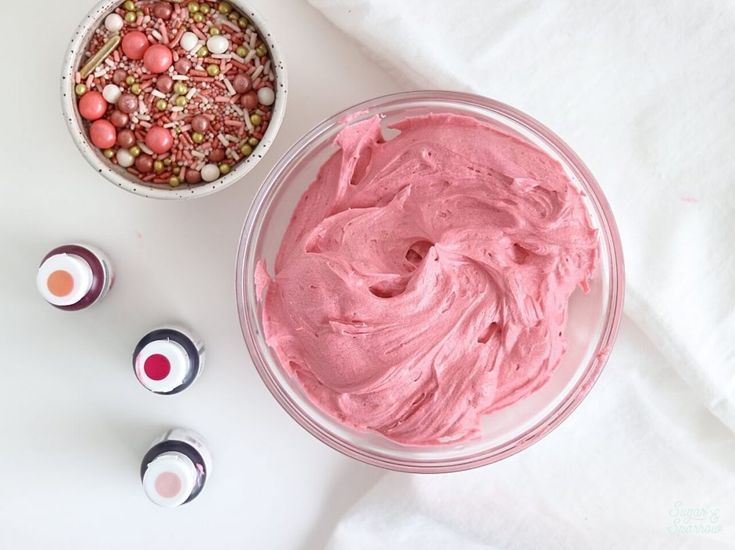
645	93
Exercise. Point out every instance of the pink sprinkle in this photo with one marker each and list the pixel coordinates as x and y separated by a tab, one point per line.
222	99
199	33
177	38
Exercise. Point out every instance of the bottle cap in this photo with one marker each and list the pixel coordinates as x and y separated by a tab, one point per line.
170	479
162	365
64	279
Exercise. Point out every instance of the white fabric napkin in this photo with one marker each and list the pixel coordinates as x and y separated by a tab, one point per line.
645	93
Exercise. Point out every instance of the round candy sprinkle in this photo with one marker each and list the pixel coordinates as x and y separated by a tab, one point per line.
103	134
135	44
180	88
119	119
162	10
242	83
164	84
92	106
210	172
158	58
200	124
249	100
213	69
183	65
118	77
144	163
111	93
124	158
135	151
80	89
159	140
114	23
217	155
127	103
218	44
129	5
266	96
193	176
130	17
189	41
126	138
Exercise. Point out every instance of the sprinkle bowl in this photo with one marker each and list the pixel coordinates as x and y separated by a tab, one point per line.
119	175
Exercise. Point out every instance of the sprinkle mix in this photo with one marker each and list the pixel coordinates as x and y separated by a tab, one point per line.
176	92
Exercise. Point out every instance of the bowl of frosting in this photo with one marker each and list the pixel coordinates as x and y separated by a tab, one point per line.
430	281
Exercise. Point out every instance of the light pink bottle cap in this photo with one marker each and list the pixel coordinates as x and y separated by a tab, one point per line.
169	479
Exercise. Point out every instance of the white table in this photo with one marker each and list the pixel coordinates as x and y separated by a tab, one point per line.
73	419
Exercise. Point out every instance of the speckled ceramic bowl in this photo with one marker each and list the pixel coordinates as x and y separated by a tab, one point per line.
118	175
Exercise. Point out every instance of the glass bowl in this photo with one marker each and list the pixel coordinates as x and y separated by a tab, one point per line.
593	318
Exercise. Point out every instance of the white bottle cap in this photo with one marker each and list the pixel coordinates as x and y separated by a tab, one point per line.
162	365
64	279
170	479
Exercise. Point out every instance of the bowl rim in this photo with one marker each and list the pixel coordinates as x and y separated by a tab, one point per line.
184	191
608	333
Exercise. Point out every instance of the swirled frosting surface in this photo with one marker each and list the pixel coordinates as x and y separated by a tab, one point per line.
424	280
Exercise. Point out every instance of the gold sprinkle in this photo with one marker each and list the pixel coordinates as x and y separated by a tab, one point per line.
100	56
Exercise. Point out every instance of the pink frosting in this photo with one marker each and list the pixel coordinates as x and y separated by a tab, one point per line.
424	281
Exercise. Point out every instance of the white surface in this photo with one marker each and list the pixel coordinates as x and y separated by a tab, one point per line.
74	420
643	91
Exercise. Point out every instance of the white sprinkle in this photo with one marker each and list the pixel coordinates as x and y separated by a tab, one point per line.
249	57
198	154
109	62
234	155
191	93
176	109
257	61
142	107
228	23
228	85
253	40
101	71
158	94
144	148
222	139
185	128
231	137
221	56
180	77
169	125
257	72
238	110
237	58
248	123
157	35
